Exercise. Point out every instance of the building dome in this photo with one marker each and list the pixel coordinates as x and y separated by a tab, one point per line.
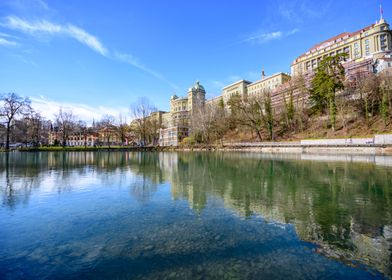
197	86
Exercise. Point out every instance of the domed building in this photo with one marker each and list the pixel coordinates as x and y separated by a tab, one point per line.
196	97
176	122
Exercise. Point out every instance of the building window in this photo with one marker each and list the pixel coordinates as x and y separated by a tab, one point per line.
367	47
356	50
383	41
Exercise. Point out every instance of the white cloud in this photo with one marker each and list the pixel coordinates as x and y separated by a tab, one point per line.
43	27
49	108
7	40
27	6
5	35
87	39
42	4
299	10
132	60
262	37
8	43
46	27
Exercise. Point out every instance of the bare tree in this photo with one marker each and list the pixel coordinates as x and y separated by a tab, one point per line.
109	129
65	121
209	123
248	112
140	111
11	106
82	130
35	127
122	128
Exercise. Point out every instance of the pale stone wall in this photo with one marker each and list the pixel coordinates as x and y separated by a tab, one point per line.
383	139
338	142
269	83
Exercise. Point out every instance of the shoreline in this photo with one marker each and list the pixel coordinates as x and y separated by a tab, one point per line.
358	150
276	148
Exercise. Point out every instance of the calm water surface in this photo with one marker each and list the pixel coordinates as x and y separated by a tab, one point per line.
119	215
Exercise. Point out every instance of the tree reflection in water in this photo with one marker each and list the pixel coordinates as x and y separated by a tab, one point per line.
344	207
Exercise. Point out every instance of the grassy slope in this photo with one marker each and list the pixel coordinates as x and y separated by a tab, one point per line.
318	128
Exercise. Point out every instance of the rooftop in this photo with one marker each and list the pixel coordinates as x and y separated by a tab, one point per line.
197	86
238	82
269	77
338	38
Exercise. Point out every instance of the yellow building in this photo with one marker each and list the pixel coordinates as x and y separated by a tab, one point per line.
178	104
175	124
237	88
267	83
373	41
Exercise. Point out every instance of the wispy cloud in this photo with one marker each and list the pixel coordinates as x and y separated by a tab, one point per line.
46	27
49	108
299	10
132	60
5	35
264	37
27	5
7	40
8	43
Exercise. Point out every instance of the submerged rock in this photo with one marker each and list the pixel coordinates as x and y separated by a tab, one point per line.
149	248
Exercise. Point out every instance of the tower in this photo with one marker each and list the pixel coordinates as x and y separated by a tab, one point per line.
196	97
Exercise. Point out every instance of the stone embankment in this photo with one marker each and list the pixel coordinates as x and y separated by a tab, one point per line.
377	145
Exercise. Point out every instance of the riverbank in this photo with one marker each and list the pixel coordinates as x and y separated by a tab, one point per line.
378	145
88	149
387	150
277	148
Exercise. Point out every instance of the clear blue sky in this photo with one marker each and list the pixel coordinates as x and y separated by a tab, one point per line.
100	56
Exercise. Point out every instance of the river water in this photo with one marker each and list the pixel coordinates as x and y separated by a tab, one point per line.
125	215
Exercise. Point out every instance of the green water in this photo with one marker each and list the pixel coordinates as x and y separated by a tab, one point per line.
120	215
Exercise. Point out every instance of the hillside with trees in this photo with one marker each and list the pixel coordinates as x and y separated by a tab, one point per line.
327	104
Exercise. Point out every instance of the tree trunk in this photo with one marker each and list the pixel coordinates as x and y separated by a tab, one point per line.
259	136
7	141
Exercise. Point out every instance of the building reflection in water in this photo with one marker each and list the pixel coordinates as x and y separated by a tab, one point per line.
342	203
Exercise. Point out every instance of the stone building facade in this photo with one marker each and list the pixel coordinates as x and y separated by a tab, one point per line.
372	42
175	124
369	50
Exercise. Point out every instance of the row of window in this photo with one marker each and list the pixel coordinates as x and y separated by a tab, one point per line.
312	64
264	84
179	108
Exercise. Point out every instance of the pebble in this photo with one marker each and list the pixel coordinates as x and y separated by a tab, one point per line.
148	248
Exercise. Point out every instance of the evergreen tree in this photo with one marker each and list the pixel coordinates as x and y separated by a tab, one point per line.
328	80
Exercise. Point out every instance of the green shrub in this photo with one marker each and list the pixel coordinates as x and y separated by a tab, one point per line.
188	141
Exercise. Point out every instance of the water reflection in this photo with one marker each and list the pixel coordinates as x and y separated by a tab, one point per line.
344	207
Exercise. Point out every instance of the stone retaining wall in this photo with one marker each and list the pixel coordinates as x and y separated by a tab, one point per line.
383	139
338	142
